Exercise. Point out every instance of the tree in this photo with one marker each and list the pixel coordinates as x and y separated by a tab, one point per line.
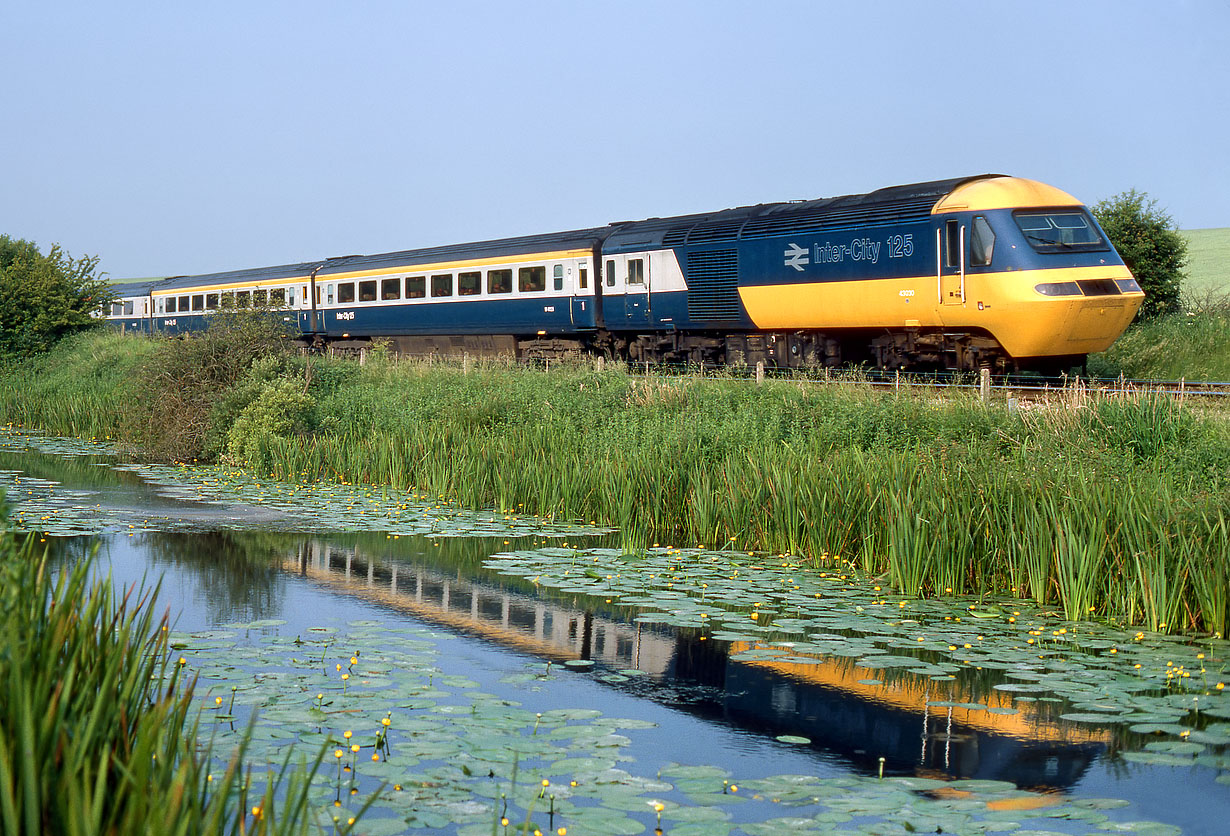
1153	249
45	297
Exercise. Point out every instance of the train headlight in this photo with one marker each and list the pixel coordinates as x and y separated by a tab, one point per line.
1058	289
1128	286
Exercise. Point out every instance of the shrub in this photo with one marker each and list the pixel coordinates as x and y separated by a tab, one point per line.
43	298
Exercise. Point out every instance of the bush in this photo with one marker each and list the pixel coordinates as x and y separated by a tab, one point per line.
182	384
44	297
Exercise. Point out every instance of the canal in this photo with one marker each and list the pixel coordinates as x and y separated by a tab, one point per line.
531	671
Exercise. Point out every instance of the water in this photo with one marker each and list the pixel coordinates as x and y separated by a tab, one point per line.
709	706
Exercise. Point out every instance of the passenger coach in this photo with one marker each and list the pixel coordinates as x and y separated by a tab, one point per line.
980	271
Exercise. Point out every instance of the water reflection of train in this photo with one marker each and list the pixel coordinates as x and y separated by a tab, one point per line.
824	701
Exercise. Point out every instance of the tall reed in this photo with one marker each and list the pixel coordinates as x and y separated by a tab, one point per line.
97	733
1111	503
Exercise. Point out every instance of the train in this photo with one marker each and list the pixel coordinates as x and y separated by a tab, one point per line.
987	271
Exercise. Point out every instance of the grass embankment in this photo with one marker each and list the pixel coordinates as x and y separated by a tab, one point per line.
1194	344
1116	509
97	734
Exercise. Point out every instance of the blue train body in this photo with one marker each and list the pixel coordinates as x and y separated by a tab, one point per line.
980	271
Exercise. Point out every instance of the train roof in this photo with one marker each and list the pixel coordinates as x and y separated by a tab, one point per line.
893	204
136	287
577	239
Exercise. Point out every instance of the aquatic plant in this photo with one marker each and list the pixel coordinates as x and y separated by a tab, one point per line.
933	494
97	728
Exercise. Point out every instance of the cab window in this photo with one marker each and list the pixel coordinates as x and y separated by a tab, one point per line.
1059	231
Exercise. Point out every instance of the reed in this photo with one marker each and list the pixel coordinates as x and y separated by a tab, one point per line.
1103	503
96	727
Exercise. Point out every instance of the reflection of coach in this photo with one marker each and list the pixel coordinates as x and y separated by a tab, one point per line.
988	271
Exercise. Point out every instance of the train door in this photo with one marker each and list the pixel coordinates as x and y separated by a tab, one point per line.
583	311
301	302
636	281
950	263
614	268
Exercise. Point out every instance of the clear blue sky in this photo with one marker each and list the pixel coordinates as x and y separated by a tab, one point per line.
172	139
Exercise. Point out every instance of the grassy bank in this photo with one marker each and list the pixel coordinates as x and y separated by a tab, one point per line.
1115	508
1194	346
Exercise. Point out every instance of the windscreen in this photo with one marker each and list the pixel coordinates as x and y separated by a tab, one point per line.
1059	231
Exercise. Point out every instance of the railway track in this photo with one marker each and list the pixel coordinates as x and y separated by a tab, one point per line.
1024	384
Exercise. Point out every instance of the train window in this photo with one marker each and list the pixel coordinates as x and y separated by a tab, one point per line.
981	242
531	279
636	271
952	243
198	302
367	291
469	284
170	300
243	299
211	301
260	298
128	308
1058	231
499	281
290	296
610	274
442	285
328	293
584	278
390	288
161	306
345	293
277	297
416	287
117	308
557	277
317	289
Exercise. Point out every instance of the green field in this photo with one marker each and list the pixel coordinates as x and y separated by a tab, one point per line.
1208	269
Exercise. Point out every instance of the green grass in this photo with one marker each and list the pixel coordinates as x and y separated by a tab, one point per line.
1195	344
1113	508
1190	346
82	388
1208	269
